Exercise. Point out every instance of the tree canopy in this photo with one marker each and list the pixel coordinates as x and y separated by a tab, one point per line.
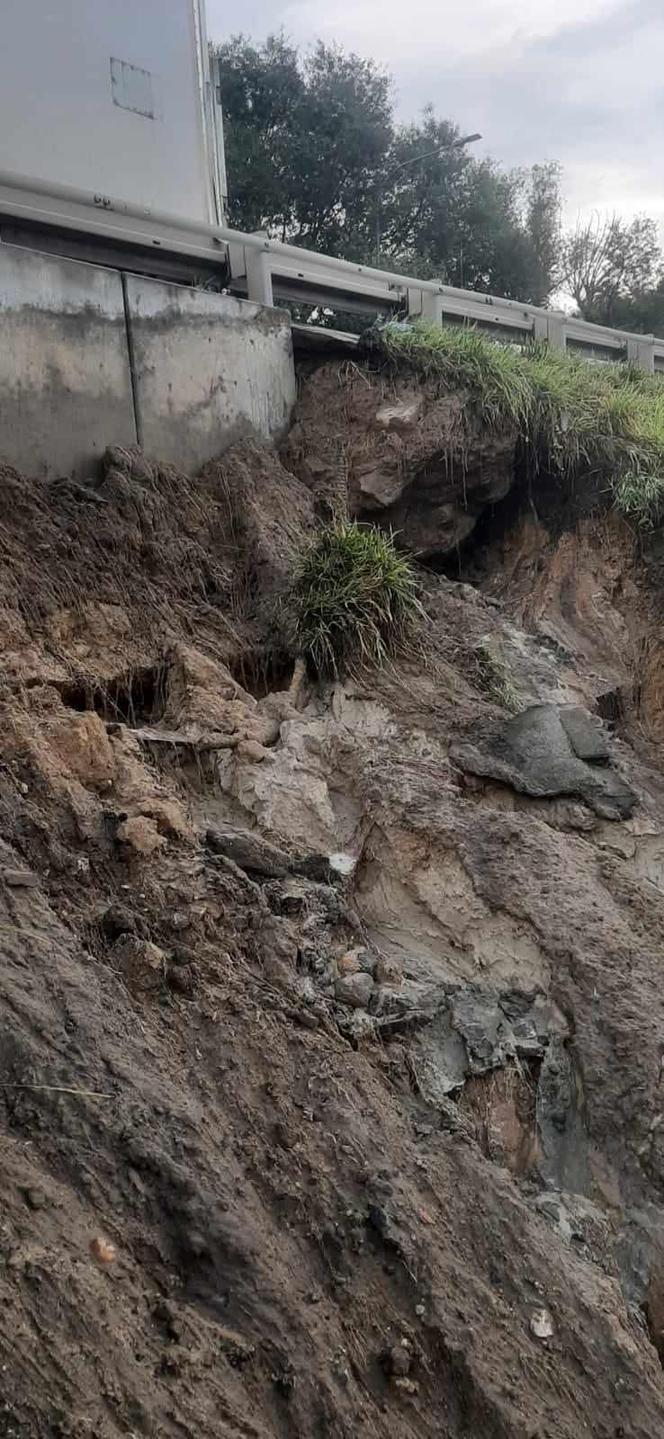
315	156
612	268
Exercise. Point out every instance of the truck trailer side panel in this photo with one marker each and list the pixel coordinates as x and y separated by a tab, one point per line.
111	96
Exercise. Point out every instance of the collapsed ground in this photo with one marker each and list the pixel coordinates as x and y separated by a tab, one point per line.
332	1016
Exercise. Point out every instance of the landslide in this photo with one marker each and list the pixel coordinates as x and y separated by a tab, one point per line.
332	1017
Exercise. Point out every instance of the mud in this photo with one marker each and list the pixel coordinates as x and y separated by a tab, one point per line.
330	1069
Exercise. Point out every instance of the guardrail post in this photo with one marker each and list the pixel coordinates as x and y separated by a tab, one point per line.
425	305
642	353
259	276
432	307
550	328
556	332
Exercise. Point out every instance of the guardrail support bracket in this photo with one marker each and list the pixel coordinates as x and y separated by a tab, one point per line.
259	277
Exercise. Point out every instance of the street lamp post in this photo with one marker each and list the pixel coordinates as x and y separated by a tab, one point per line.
413	160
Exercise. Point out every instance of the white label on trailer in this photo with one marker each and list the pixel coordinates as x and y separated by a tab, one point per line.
133	89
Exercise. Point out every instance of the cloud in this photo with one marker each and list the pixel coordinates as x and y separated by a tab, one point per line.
578	81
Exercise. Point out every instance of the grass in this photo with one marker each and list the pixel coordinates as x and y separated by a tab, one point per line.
493	676
352	600
573	417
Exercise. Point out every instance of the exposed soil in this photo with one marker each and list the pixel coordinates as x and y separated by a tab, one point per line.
330	1068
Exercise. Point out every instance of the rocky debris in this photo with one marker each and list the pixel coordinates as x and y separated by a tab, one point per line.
541	1324
357	961
590	1230
400	415
182	978
380	485
19	878
407	1023
115	921
500	1026
388	972
407	1386
82	746
317	867
565	1158
354	990
475	1029
141	963
102	1250
252	751
397	1360
165	1315
141	834
479	1140
537	753
258	856
585	734
168	816
250	851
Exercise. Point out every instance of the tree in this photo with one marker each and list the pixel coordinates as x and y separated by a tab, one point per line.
302	140
643	312
261	88
608	261
342	132
445	213
542	203
314	157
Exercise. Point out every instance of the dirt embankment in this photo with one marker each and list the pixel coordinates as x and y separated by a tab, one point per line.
332	1021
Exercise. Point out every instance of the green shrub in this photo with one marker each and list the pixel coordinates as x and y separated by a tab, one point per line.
573	417
352	600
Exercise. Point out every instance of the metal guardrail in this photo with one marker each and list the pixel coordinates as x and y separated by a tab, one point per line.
266	269
301	274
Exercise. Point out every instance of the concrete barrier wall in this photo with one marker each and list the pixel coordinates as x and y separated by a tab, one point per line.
89	357
208	369
65	383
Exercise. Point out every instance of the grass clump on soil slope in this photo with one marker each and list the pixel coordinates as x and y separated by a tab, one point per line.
572	416
352	599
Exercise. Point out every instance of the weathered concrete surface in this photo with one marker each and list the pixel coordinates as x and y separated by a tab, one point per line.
208	369
65	383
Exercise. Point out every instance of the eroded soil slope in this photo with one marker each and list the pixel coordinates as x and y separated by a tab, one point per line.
331	1020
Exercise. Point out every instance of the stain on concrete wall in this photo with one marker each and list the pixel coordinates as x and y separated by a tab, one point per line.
65	384
208	369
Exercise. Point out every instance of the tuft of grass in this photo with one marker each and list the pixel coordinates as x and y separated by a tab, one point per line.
353	599
492	675
573	417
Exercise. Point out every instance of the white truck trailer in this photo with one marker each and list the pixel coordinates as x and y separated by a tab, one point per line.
109	120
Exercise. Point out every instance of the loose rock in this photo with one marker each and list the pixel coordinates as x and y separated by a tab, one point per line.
249	851
541	1324
354	990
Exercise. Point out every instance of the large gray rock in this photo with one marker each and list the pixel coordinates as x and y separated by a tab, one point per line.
538	753
585	734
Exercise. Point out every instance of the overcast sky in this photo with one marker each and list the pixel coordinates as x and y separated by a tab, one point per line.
580	81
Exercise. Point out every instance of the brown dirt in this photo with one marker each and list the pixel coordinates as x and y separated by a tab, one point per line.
416	461
294	1190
